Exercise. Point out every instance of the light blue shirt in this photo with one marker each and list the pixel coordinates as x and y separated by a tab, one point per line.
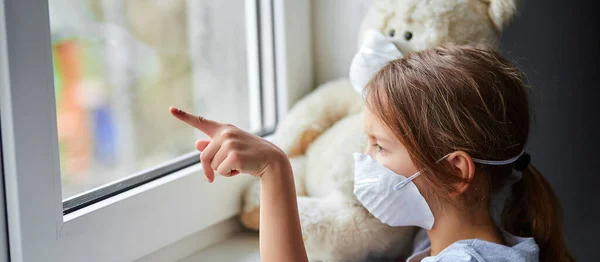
517	249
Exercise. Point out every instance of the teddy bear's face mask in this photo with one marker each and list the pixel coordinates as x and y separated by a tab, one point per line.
377	51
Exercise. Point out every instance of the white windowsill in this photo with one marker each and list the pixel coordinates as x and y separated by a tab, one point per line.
224	241
242	247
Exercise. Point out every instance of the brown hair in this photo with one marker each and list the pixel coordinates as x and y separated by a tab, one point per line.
469	98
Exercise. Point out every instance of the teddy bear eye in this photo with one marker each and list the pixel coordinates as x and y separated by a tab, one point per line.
392	33
408	35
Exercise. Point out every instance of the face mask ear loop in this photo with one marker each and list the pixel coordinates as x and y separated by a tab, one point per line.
442	158
490	162
408	180
498	163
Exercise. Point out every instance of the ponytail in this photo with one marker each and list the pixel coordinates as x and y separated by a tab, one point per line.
534	210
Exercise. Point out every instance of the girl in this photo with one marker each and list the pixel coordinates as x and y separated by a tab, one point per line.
431	117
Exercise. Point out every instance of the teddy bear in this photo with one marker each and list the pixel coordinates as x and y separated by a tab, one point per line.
321	132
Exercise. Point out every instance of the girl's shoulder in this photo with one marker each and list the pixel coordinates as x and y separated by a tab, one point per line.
517	249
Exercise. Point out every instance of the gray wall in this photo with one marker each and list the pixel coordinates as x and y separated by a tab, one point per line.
554	41
556	45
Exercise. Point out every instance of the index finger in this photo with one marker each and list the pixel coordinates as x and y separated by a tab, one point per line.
207	126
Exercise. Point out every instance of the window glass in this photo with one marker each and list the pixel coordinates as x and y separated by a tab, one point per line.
119	65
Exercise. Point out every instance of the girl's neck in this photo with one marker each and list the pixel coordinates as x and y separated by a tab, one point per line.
453	226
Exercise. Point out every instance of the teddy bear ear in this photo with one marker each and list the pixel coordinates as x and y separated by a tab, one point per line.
502	12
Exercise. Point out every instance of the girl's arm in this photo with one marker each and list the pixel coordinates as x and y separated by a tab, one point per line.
232	151
280	234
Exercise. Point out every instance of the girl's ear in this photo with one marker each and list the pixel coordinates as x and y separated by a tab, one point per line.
463	167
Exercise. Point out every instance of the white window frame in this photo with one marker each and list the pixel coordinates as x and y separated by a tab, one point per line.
4	257
139	221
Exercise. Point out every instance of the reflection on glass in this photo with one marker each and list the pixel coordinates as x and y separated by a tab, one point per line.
119	65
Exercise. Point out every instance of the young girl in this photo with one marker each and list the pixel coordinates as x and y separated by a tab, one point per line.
431	119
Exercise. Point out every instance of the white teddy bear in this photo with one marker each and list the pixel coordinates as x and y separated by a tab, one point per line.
323	130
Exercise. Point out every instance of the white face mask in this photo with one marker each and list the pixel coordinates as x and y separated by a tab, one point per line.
393	198
376	51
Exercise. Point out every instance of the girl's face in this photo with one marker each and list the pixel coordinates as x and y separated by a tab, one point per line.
385	148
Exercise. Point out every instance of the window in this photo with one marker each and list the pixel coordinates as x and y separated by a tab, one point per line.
118	66
92	161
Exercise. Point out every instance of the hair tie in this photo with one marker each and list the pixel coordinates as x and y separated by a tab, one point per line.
522	162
